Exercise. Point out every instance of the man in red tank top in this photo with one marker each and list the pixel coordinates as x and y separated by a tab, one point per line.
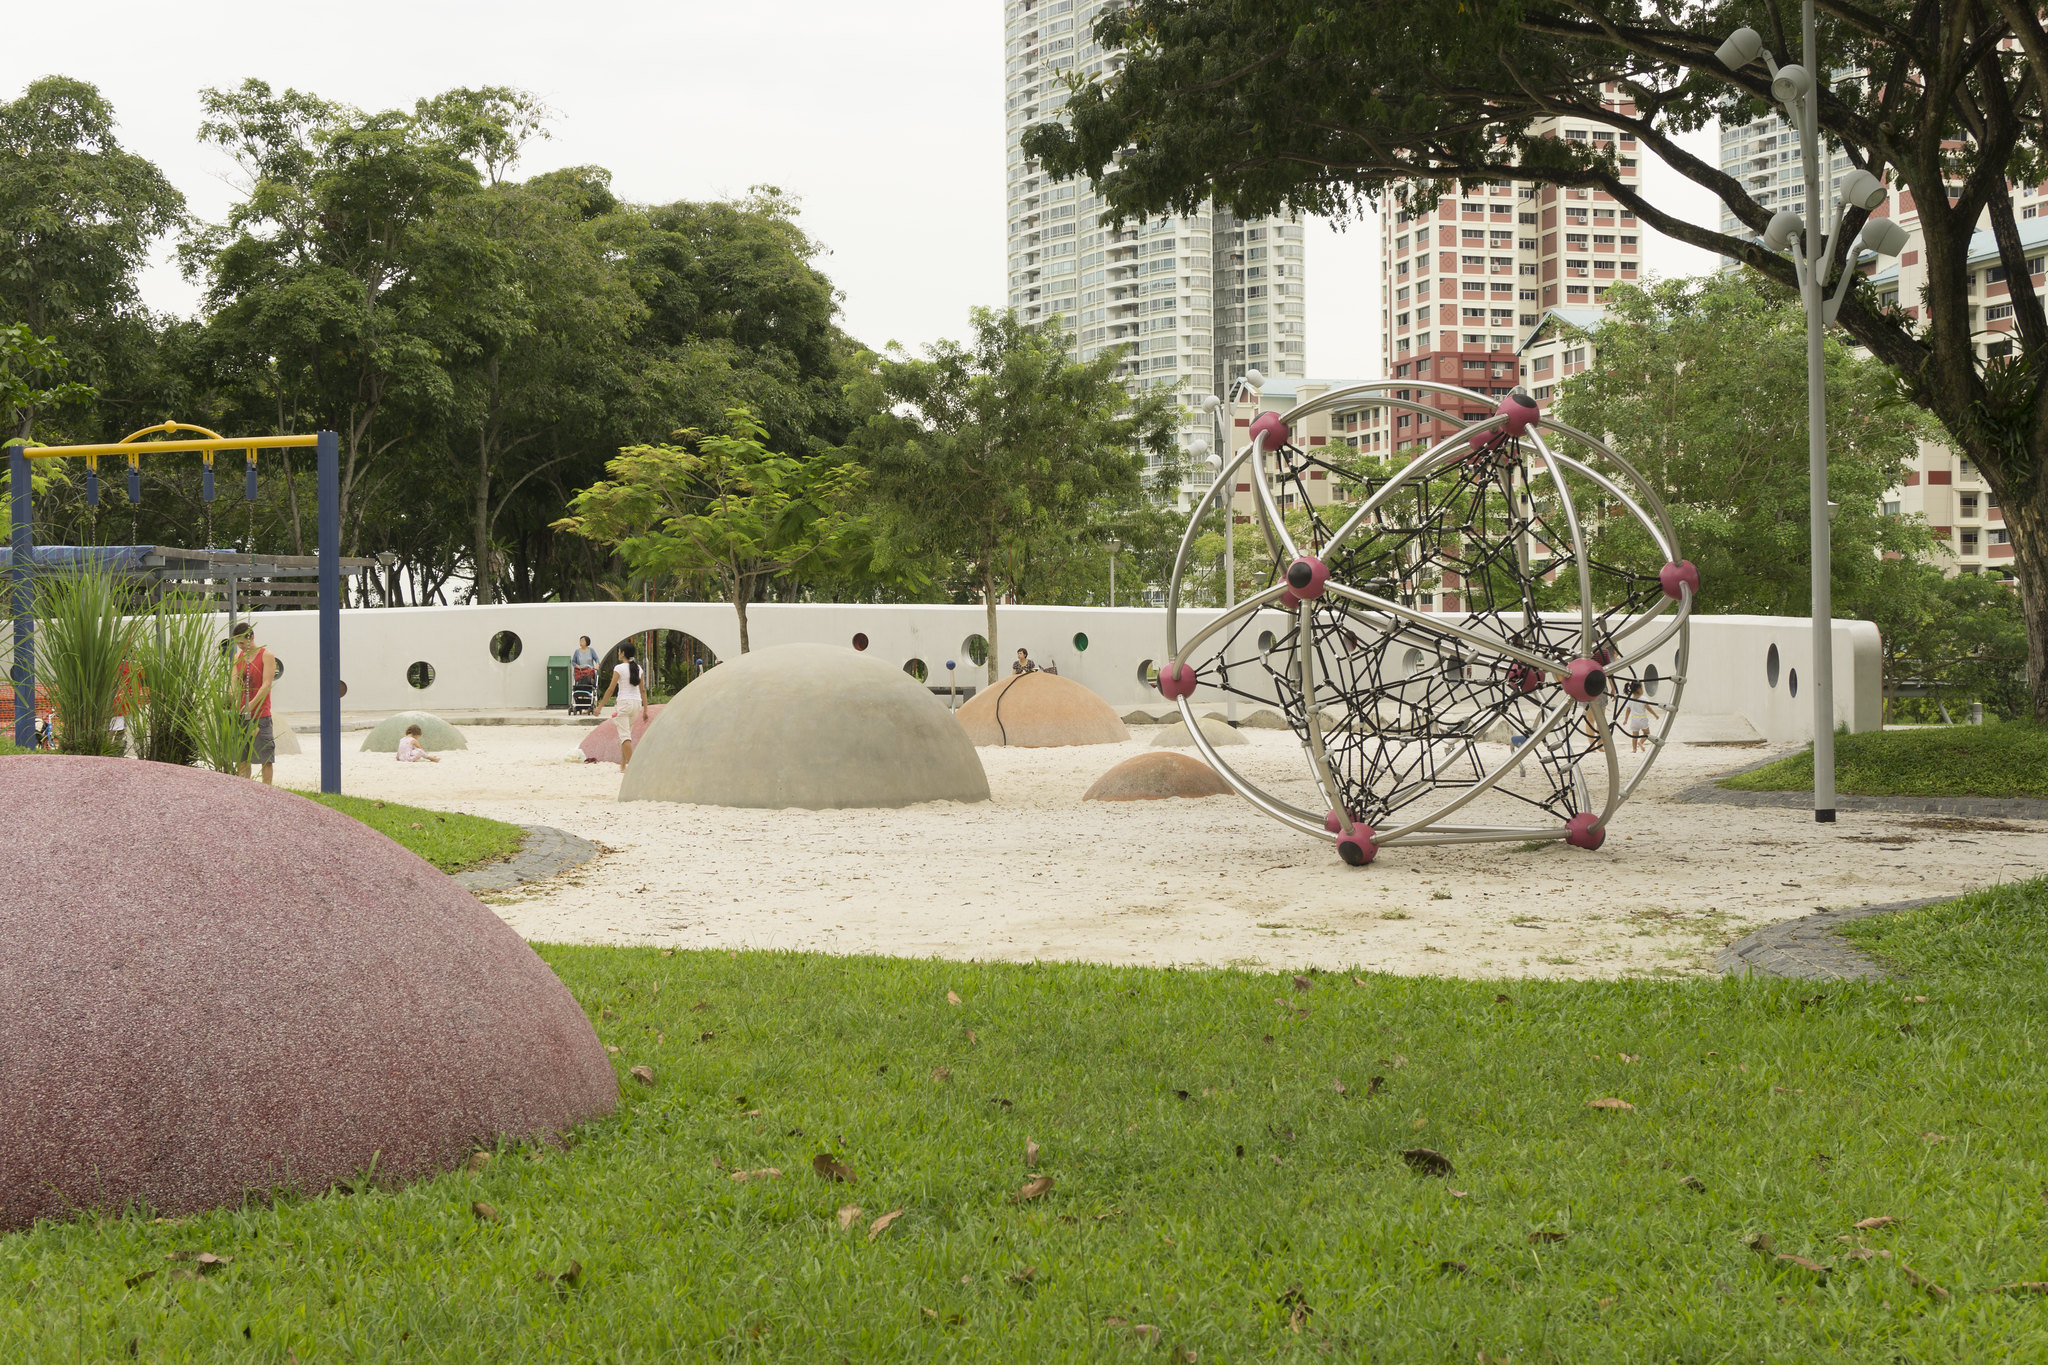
256	670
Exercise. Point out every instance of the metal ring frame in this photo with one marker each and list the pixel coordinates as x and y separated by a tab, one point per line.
1355	609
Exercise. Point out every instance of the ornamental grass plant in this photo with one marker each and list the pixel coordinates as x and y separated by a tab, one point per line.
87	626
187	708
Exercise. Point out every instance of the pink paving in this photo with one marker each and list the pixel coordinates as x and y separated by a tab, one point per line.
209	987
601	745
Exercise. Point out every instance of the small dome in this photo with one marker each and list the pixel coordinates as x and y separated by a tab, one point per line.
813	726
1219	733
601	745
282	1000
1040	711
1156	776
435	734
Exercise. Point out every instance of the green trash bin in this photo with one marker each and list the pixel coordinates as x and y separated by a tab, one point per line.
558	680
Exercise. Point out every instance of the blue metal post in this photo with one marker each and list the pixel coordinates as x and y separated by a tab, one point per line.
23	543
329	451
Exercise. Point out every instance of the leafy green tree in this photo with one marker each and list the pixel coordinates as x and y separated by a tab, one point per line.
994	447
724	506
78	213
1701	384
1325	108
1962	639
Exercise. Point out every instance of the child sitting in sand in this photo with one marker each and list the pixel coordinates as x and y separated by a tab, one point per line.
410	750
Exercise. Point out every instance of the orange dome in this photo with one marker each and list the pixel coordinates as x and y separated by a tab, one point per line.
1040	711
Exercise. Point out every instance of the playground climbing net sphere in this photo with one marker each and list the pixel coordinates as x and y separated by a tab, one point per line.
1479	622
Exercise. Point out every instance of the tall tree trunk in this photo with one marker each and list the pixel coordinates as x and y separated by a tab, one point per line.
739	604
988	595
2026	523
483	517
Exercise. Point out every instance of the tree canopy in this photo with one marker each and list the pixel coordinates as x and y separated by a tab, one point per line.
1325	108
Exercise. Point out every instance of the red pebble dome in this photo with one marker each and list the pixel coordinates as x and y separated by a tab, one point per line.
211	988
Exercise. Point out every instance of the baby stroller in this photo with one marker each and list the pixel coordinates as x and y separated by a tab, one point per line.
583	692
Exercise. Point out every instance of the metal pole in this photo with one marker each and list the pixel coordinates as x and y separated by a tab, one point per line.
1813	295
329	455
23	543
1223	437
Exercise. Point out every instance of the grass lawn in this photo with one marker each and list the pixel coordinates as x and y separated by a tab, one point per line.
447	839
1226	1177
1950	760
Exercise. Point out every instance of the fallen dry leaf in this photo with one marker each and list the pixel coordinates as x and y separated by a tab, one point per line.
1340	1087
1864	1253
1296	1304
952	998
973	1037
1033	1188
484	1212
1457	1194
1357	981
1427	1161
1609	1103
1934	1291
1302	983
643	1074
565	1281
1031	1150
1881	1221
140	1276
830	1167
765	1173
1693	1182
847	1213
605	1013
1759	1242
1502	1000
609	1048
1548	1236
1815	1266
942	1074
1025	1276
2023	1287
1630	1056
881	1225
478	1160
1375	1085
1453	1268
1935	1137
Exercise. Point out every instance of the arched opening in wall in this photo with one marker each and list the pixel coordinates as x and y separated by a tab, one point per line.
670	660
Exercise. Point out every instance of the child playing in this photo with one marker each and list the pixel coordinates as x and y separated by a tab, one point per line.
1635	717
410	749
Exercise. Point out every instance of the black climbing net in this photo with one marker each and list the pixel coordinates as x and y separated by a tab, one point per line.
1405	699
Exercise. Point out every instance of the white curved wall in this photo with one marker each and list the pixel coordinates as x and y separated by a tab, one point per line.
1728	664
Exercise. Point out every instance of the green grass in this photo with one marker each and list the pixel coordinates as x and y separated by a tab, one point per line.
447	839
2001	929
1951	760
1210	1181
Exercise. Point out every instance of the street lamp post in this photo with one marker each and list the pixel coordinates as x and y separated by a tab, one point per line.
1114	546
1813	255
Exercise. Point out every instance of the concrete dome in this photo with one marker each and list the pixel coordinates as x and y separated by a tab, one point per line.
1040	711
210	987
1156	776
601	745
1218	732
813	726
435	734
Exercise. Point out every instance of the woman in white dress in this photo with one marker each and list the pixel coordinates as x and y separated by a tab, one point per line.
627	677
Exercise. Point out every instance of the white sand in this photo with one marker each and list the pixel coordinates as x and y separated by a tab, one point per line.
1037	873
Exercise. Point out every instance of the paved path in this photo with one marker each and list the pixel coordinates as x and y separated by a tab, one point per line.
545	852
1981	807
1810	949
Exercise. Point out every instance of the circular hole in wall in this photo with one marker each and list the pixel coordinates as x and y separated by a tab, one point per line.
505	646
860	641
280	666
1411	662
1771	667
420	674
1148	676
976	650
1651	682
1792	682
1080	641
341	687
1265	642
916	669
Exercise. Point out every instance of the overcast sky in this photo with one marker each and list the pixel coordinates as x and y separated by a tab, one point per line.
885	117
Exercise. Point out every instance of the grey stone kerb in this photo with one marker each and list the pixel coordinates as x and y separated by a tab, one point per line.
545	852
1810	949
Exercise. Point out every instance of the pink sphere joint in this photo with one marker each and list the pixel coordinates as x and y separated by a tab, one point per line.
1306	576
1332	823
1586	831
1269	425
1524	678
1177	681
1584	681
1671	576
1288	600
1520	410
1487	440
1358	847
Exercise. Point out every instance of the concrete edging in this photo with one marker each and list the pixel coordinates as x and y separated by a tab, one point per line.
546	852
1710	792
1809	949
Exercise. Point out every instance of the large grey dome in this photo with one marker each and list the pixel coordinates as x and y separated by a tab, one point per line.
813	726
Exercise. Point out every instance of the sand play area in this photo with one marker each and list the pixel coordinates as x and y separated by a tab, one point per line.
1035	873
